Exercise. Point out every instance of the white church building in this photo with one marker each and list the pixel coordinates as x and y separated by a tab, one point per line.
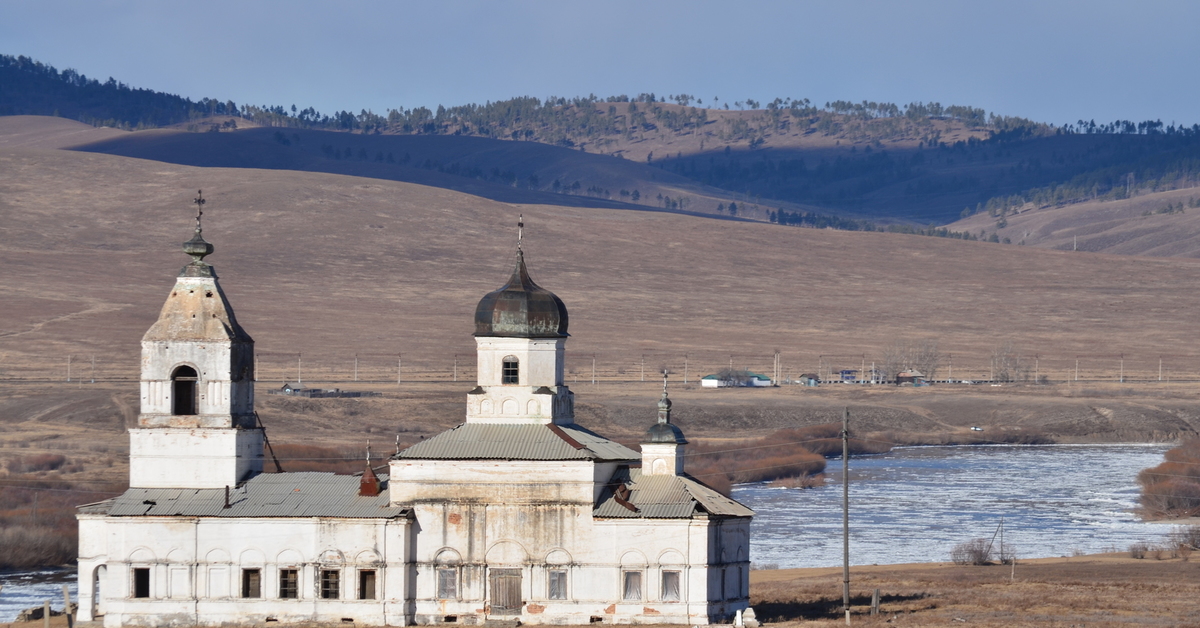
518	515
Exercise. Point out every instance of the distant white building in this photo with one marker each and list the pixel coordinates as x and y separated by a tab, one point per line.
747	378
517	514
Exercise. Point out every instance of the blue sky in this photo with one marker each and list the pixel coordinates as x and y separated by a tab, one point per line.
1050	61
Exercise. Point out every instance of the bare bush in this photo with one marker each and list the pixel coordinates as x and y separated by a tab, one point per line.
1172	489
35	462
1138	550
1007	365
922	355
973	552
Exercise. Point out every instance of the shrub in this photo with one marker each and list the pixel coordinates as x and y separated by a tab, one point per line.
1138	550
1172	489
35	462
973	552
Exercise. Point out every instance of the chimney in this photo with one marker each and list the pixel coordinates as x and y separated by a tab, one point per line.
368	486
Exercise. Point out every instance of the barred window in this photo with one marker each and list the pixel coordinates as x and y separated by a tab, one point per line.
289	584
330	584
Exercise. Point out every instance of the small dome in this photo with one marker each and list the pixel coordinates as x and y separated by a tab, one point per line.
521	309
665	433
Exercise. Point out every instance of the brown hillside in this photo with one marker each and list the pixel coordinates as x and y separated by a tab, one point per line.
1159	224
507	171
329	266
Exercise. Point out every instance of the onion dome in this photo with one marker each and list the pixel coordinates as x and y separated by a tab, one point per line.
664	431
521	309
198	247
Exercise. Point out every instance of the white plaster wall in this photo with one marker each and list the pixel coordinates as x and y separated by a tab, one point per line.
193	458
502	481
662	459
541	360
196	568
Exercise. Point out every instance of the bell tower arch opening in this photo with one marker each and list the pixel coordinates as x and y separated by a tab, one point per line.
184	391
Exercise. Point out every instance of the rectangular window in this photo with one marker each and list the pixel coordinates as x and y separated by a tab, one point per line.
447	583
330	584
512	371
366	584
251	583
141	582
289	584
558	584
631	591
670	586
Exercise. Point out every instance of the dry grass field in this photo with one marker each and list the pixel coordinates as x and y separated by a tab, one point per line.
1105	590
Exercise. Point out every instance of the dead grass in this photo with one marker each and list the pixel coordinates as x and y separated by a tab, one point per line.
1103	590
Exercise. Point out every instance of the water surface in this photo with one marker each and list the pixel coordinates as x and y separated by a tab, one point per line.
915	504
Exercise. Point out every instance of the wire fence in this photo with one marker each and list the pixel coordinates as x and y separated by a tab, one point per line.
622	366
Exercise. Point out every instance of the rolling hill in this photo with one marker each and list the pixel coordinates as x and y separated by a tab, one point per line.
330	265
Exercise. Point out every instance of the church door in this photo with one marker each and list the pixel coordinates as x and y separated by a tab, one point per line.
506	591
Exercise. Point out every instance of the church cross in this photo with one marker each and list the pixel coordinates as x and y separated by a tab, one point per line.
520	230
199	202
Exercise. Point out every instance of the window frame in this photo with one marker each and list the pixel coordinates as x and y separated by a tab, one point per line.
664	591
140	576
564	592
365	592
251	575
185	386
510	370
628	576
289	583
445	575
330	584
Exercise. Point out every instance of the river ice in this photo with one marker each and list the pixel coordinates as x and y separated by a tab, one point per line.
910	505
915	504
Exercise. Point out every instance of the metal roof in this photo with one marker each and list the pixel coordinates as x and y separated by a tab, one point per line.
302	494
533	441
663	497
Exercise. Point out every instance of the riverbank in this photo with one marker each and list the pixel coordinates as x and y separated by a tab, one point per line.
1096	590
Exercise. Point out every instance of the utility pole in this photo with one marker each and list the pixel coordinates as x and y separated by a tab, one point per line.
399	366
1160	368
593	369
299	379
685	368
1122	379
93	368
1077	369
846	512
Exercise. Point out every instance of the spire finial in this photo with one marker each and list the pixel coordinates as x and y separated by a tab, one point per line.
368	452
197	247
520	229
397	444
199	202
664	404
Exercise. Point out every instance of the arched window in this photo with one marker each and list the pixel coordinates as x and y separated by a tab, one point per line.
512	371
183	391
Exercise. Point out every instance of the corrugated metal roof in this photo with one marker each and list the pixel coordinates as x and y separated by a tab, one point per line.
535	441
664	497
303	494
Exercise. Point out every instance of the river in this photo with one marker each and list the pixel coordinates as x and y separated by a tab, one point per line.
914	504
907	506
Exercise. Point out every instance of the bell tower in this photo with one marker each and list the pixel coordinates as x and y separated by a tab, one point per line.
520	339
197	427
